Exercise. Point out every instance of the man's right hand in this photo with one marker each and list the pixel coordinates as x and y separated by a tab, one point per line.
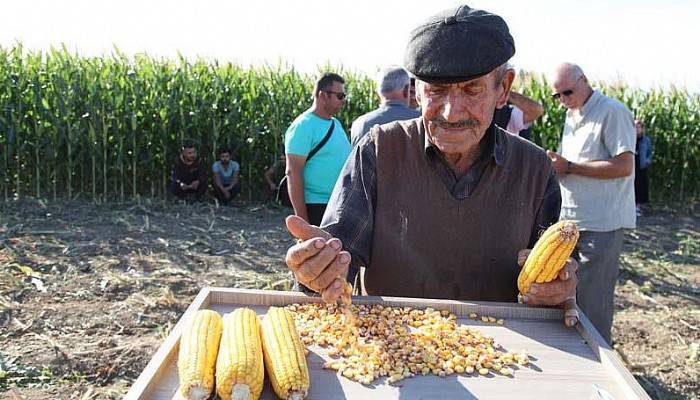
317	261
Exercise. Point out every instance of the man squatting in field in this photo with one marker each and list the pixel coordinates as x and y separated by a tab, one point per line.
441	205
188	179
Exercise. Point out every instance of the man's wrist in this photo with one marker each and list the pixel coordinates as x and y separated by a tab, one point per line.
569	167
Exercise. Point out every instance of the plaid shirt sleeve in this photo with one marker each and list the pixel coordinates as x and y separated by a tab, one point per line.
349	215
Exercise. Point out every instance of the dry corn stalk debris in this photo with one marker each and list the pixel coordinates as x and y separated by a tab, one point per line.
400	342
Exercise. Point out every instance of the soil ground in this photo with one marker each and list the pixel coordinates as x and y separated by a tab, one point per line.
89	291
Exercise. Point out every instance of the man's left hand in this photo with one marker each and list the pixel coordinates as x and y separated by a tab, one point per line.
561	291
559	163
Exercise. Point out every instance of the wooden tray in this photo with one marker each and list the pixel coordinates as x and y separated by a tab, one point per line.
568	363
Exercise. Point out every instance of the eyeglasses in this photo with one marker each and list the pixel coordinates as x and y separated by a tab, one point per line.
565	93
340	95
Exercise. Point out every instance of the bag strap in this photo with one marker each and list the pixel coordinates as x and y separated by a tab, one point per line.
322	142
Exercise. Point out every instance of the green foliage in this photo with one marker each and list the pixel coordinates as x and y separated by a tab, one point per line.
110	127
19	375
672	120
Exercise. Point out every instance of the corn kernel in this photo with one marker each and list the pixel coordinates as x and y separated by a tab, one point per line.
397	343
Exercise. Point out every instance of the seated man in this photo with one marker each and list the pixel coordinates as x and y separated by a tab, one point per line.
226	172
440	206
188	178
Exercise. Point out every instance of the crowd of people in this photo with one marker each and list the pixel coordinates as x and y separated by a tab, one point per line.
441	198
439	192
189	177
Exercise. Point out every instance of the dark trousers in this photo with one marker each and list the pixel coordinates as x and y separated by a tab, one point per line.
315	213
598	255
220	195
188	195
641	186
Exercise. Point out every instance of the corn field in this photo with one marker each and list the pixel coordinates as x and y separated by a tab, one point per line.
109	128
672	120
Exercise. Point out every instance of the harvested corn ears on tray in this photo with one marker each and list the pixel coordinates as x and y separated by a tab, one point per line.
453	343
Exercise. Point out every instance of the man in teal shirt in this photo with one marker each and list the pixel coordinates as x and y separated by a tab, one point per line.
311	175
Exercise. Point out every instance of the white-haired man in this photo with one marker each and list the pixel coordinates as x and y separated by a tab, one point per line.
595	165
393	88
440	206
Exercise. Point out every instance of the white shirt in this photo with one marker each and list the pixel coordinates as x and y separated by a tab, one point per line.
516	122
602	129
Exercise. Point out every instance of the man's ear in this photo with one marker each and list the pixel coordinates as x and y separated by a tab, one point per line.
419	90
505	85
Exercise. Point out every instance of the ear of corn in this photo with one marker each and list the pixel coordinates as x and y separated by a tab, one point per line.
239	367
284	355
549	255
199	345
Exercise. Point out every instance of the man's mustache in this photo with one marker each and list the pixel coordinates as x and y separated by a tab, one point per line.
462	124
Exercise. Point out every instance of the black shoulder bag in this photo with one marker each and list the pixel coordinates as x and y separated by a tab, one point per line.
282	192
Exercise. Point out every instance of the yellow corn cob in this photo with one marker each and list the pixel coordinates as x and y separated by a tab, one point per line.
284	355
239	367
549	255
545	246
196	361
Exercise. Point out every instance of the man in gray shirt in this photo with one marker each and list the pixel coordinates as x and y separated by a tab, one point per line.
393	88
595	165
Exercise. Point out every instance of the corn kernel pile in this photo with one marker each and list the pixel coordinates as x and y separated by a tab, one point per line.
400	342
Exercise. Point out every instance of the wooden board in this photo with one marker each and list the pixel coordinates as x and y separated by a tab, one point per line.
568	363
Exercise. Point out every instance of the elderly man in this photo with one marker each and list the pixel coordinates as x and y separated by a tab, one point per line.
393	88
441	205
595	164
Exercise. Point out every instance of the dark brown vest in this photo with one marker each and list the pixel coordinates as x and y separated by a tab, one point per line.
428	244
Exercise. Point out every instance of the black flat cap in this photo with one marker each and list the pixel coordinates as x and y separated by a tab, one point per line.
457	45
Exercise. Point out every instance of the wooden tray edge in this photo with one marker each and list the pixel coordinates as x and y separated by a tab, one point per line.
495	309
143	385
610	361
